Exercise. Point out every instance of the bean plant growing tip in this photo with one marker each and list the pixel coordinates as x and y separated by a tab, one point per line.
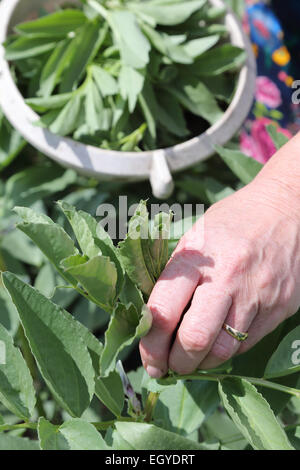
127	75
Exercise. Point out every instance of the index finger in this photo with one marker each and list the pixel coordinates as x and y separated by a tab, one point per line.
167	302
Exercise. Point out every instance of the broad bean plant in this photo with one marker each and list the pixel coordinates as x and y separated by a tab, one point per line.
249	396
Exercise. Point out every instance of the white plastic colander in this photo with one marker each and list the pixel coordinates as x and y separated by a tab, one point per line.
157	165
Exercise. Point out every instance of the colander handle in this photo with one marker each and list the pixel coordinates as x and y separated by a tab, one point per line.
160	176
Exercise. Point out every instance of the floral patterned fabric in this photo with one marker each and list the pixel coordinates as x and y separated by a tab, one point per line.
273	27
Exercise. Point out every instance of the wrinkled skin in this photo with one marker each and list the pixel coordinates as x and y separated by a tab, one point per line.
246	273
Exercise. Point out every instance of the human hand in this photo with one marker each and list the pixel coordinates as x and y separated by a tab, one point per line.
246	274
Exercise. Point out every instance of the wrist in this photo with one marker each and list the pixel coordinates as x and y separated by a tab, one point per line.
278	195
281	176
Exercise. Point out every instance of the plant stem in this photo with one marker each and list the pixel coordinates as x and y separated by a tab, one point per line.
81	292
275	386
92	299
255	381
11	427
150	405
99	426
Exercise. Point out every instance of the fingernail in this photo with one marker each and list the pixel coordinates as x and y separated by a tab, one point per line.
154	372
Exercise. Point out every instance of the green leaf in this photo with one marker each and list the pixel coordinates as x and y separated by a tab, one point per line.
83	49
92	238
253	364
124	327
211	13
252	415
75	434
81	435
159	243
28	46
98	276
286	359
46	120
12	264
36	183
219	426
90	316
94	108
145	323
19	246
130	142
49	436
54	67
57	344
134	251
108	249
110	391
196	97
52	240
147	103
244	167
197	47
135	377
59	23
170	115
131	82
9	316
219	60
142	436
221	86
10	442
16	386
277	136
88	136
166	12
220	29
120	117
84	227
182	408
87	199
67	120
168	45
50	102
47	282
131	294
162	108
134	46
105	82
156	38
